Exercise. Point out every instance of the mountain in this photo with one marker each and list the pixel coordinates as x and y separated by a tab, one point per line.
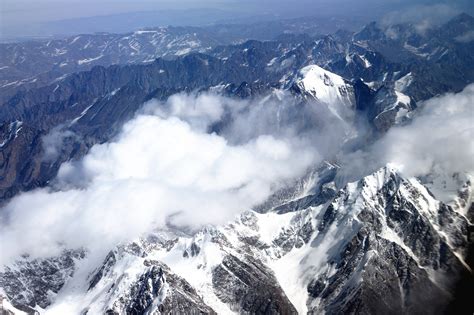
389	107
91	106
439	59
384	236
36	63
384	242
325	86
33	64
442	48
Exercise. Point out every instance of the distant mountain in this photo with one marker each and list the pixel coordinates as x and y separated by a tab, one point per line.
439	59
35	63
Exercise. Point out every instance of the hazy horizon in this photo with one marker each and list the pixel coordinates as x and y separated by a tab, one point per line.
27	18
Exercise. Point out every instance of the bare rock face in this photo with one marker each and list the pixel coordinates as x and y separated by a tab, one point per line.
399	259
153	288
160	291
31	283
249	287
389	107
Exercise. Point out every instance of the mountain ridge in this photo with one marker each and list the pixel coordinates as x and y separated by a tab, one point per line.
427	259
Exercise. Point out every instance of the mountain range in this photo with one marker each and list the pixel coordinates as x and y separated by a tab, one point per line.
384	242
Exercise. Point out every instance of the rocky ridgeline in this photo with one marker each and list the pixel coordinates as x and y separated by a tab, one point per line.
381	244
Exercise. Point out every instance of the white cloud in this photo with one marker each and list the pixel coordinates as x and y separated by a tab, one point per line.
161	169
53	142
466	37
423	17
199	111
438	140
440	137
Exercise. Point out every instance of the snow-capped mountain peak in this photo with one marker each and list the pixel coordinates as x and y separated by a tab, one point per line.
324	86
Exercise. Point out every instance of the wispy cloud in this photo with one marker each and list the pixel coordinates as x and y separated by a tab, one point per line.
423	17
438	140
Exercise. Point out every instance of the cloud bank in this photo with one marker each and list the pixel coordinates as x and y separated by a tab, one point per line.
163	168
439	140
202	159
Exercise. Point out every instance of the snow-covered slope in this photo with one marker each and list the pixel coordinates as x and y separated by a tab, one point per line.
386	106
324	86
38	63
7	308
389	107
329	91
321	257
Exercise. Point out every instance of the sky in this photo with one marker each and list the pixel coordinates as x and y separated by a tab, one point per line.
33	17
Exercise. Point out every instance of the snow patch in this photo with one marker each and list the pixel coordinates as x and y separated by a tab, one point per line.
89	60
323	85
404	82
